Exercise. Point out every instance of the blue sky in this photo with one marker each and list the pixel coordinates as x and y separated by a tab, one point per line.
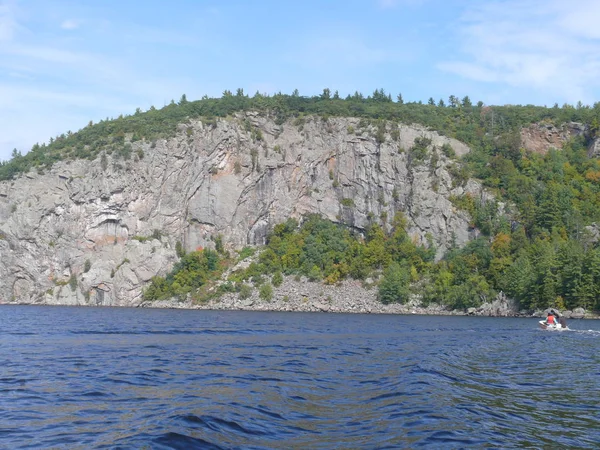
66	62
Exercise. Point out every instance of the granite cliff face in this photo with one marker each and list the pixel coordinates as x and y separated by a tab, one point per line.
95	232
541	137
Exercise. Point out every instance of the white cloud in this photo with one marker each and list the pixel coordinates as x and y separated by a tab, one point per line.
69	24
8	23
470	70
33	114
581	18
45	54
389	4
385	4
50	83
549	46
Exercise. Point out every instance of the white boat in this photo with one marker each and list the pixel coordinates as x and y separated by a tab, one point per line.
553	326
559	322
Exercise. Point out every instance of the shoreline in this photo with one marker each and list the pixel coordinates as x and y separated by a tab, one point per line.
346	297
392	309
349	296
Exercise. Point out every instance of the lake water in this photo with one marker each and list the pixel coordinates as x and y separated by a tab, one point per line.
81	378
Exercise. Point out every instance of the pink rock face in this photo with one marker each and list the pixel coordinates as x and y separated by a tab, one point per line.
540	138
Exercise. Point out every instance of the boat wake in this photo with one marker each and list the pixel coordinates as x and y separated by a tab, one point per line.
589	332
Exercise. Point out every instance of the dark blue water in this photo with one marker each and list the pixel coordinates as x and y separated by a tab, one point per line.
81	378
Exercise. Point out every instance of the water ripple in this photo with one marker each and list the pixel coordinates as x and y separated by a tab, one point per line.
82	378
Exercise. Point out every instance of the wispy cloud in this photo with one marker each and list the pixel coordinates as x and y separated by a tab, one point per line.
44	53
8	22
541	45
385	4
389	4
52	81
580	18
70	24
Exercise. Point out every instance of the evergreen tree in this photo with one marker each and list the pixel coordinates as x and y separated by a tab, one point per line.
394	287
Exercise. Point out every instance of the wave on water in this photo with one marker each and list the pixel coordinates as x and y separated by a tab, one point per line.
165	380
159	332
591	332
166	441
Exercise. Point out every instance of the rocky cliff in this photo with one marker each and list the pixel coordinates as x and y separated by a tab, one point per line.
541	137
95	232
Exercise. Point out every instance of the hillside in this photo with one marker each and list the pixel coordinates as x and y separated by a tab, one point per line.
450	203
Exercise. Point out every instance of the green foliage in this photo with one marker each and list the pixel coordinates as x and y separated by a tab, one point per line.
459	281
219	244
193	271
115	270
490	128
87	265
258	280
465	202
246	252
179	250
380	133
460	174
419	150
277	279
266	292
103	161
321	250
156	234
395	285
123	151
448	151
73	282
245	291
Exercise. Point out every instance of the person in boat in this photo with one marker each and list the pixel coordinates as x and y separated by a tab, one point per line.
562	322
551	319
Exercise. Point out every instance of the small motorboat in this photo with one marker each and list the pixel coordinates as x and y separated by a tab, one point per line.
553	326
559	322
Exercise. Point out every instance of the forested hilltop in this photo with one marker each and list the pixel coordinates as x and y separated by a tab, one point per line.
537	241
